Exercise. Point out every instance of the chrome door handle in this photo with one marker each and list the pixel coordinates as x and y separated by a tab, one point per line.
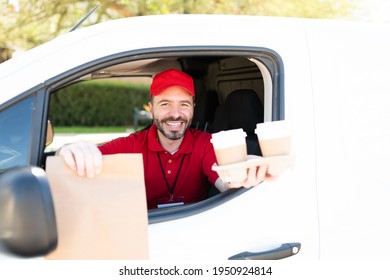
284	251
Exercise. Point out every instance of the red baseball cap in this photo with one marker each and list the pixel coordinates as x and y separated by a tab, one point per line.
170	78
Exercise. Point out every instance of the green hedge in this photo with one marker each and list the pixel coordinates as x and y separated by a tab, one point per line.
97	104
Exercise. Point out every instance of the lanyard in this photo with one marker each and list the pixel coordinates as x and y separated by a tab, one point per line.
170	188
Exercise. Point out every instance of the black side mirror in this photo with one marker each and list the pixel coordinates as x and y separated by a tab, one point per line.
27	218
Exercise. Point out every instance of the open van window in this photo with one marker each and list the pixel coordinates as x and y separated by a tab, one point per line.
254	76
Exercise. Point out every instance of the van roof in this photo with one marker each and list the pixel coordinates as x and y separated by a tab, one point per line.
87	44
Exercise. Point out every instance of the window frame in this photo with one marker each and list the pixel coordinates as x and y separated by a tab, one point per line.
268	61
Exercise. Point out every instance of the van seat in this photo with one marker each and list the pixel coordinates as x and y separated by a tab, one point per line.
241	109
204	110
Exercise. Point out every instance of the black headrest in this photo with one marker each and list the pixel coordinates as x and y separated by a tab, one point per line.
244	109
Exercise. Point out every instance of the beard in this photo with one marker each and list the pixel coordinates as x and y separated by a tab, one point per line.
172	135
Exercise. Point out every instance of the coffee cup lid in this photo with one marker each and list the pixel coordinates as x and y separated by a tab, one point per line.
275	129
228	138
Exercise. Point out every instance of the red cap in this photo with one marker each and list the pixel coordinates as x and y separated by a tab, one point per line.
170	78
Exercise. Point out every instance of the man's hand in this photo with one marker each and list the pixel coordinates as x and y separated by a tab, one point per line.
83	157
256	175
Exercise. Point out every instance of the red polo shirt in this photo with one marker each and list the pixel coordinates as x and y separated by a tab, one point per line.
194	160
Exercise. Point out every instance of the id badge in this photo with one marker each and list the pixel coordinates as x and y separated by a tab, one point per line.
170	201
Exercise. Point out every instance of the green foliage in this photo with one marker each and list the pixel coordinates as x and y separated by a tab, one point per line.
97	104
33	22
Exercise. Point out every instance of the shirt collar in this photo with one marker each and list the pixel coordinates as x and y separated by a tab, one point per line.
186	146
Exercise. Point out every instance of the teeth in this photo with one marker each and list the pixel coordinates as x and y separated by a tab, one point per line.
173	124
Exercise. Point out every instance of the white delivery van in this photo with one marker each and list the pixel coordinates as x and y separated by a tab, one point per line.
328	79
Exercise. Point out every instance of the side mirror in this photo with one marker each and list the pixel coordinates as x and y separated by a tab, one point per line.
27	219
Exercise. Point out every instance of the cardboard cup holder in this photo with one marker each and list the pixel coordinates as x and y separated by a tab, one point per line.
237	172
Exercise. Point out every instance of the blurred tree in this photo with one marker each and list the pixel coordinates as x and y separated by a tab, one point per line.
27	23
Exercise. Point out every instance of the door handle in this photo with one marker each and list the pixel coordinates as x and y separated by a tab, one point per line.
284	251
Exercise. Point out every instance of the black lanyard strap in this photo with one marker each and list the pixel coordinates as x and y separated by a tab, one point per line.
170	188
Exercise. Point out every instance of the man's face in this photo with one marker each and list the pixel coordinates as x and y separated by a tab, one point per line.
172	111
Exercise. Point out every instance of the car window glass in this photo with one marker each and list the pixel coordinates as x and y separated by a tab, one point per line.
15	127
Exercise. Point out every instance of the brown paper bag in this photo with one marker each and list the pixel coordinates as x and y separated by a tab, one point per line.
100	218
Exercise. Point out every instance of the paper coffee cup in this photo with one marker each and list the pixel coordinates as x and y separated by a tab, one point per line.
274	138
229	146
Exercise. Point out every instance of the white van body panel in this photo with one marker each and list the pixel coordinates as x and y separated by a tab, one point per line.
351	104
334	201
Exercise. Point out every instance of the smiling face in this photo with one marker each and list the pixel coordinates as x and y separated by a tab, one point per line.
172	111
